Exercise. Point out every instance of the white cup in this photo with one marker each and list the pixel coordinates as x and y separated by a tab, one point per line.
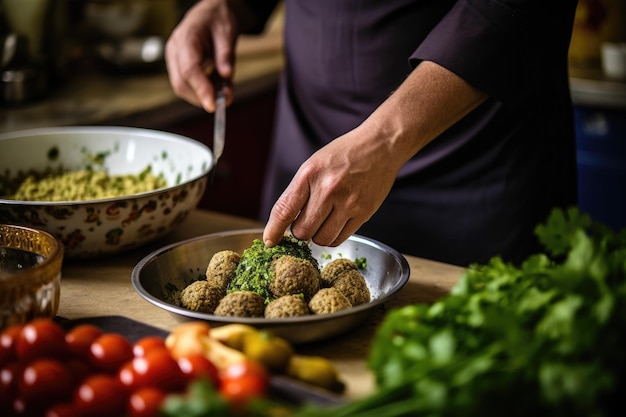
614	60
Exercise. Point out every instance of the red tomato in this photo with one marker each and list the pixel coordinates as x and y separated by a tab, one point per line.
8	339
41	337
244	381
79	369
22	408
80	338
63	410
199	366
110	351
158	368
100	395
126	376
145	402
9	383
148	343
45	381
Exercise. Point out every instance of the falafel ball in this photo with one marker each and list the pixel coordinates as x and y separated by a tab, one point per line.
328	300
294	276
201	296
241	304
286	306
333	269
352	284
221	268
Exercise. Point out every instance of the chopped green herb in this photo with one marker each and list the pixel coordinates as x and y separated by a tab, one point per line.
53	153
253	272
361	263
200	400
100	157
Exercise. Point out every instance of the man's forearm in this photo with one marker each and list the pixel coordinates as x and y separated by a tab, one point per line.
427	103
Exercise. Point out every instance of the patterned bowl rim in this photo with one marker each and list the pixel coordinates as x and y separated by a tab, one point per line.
110	129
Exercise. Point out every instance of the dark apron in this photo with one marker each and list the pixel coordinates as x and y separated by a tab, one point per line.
480	188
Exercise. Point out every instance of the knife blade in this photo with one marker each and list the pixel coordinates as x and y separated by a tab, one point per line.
219	124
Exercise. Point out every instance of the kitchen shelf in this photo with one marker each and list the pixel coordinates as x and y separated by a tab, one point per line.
598	92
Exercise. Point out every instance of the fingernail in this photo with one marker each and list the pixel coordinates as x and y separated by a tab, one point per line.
207	105
269	243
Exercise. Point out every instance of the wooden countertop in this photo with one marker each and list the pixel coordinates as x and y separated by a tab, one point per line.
103	287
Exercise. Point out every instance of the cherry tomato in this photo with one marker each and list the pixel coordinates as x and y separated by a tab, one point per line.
8	339
127	377
45	381
9	383
244	381
145	402
63	410
158	368
110	351
80	338
100	395
22	408
148	343
41	337
199	366
79	369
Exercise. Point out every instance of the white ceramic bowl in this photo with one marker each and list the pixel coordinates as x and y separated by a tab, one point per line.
99	227
168	270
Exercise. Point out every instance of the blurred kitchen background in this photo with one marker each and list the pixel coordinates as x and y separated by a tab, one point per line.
88	62
597	62
100	62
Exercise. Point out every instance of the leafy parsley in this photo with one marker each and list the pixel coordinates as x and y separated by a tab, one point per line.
542	338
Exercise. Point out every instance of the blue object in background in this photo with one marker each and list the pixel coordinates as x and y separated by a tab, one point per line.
601	157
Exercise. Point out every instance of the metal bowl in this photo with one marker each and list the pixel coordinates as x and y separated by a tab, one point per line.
168	270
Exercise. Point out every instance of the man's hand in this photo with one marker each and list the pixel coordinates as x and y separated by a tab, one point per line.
335	191
343	184
203	42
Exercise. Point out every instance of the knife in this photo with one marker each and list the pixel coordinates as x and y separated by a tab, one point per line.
219	125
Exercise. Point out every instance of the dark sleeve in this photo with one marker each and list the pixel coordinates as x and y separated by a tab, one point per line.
503	47
262	9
